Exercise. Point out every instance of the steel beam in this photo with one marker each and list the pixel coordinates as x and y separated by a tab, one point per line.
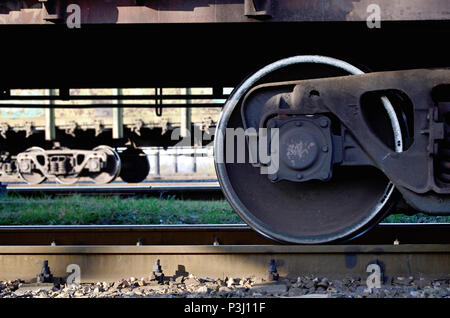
50	131
216	11
111	263
186	118
117	129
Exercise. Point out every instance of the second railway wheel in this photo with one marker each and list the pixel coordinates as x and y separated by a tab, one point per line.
67	179
135	165
309	212
111	169
27	169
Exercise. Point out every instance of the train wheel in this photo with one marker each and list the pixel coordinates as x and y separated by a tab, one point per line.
310	212
35	176
135	165
112	169
68	179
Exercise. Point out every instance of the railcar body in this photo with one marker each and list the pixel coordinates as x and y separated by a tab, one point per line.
343	105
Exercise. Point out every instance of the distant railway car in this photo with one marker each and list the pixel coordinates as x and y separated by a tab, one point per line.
71	141
340	110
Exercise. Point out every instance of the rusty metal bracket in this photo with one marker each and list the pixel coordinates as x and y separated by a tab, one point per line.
258	9
137	126
4	127
29	129
187	11
273	272
98	127
53	10
70	130
165	125
157	273
344	98
45	276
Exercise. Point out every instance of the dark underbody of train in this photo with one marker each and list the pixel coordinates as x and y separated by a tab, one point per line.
344	106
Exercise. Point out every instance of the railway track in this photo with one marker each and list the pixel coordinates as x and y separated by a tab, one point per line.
110	253
191	190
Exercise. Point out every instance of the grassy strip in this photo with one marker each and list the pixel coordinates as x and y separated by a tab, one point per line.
417	218
79	209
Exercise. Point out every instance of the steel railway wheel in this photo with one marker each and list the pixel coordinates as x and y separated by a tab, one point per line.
310	212
135	166
35	176
112	169
67	179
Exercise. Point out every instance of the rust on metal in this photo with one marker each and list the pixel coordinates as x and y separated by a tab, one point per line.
237	234
108	263
208	11
110	253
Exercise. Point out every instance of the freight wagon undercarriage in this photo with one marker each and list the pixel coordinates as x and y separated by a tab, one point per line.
60	142
334	120
336	151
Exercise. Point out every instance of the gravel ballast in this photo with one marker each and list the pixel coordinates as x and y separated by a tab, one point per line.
195	287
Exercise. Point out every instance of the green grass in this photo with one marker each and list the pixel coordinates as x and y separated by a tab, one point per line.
77	209
417	218
112	210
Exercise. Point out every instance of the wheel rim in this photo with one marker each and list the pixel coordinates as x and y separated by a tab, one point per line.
135	166
255	209
36	176
67	179
112	169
